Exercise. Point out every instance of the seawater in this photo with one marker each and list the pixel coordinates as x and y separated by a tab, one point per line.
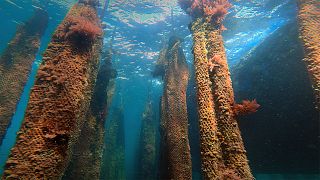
138	30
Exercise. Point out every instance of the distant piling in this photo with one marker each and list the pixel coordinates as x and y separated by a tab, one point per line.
59	99
175	156
15	65
147	150
113	161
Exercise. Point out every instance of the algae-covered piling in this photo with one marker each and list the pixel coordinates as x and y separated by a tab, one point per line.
15	65
59	99
175	158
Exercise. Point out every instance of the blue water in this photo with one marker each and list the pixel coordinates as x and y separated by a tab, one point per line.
133	39
139	32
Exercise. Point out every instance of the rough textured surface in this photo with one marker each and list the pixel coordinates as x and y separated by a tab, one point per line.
211	156
232	147
309	19
222	150
147	155
87	154
58	104
15	65
113	165
175	160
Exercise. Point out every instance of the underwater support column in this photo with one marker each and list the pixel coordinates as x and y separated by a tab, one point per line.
147	153
87	154
59	99
222	150
15	65
309	20
232	147
211	156
175	158
113	165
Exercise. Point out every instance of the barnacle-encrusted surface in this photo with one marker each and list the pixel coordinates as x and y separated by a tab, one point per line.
57	107
309	19
221	145
87	154
232	147
175	150
211	156
15	65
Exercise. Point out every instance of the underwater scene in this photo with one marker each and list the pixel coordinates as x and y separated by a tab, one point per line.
160	89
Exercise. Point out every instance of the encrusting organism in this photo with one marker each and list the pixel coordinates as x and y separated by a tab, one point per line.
86	159
58	104
210	149
15	65
175	156
221	143
309	21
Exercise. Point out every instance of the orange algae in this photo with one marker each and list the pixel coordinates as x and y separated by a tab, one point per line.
246	107
83	26
57	107
213	11
309	20
15	65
